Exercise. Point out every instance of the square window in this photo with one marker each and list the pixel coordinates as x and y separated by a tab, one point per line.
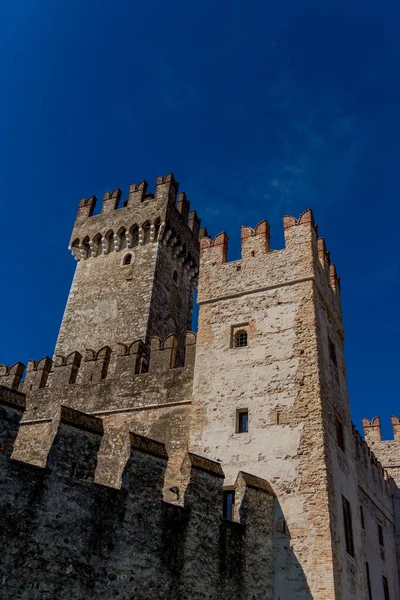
242	420
239	336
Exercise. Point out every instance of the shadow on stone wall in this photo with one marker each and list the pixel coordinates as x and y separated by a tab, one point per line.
290	579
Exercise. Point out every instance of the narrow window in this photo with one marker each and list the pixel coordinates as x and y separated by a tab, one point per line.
385	588
241	338
368	581
157	225
242	420
127	259
348	526
332	352
228	505
74	374
175	277
340	434
146	232
362	517
380	535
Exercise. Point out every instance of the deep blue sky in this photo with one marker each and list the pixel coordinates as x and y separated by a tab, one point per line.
260	108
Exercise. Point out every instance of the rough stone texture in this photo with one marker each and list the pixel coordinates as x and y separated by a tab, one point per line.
110	418
63	536
288	302
112	303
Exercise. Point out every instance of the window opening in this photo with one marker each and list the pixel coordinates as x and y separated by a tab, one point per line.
385	588
127	259
340	434
228	504
241	338
348	526
368	581
362	517
242	420
175	277
380	535
146	232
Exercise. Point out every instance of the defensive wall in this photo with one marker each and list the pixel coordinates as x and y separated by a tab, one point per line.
64	536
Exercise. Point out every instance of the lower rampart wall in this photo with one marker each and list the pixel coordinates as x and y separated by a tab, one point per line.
64	536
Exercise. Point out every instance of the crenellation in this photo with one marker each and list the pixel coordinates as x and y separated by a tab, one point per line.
11	376
12	407
37	374
147	461
86	208
216	250
111	201
137	193
163	354
372	430
255	242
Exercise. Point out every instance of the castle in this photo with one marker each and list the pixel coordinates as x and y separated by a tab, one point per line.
146	462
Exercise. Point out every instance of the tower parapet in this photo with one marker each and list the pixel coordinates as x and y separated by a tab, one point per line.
137	269
304	256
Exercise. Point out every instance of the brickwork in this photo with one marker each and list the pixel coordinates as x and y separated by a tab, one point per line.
134	428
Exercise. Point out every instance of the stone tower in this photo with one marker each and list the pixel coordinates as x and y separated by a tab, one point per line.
258	397
136	270
270	398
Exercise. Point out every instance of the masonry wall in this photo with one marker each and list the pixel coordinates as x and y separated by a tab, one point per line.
288	303
61	535
94	485
271	295
112	302
388	453
155	404
353	471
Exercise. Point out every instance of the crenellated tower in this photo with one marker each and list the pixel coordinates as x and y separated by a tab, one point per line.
258	397
136	271
270	396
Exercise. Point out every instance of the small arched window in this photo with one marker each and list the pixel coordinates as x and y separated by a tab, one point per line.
127	259
240	338
175	277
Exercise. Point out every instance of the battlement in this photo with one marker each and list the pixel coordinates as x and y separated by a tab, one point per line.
122	362
388	451
373	473
305	256
372	429
11	376
144	217
75	523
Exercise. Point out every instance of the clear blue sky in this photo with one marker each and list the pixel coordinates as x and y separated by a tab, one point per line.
260	109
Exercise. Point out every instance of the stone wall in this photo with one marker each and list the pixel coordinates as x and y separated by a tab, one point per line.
155	404
64	536
291	379
136	270
125	367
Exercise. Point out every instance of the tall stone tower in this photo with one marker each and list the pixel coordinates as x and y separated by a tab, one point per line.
136	270
270	398
259	395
